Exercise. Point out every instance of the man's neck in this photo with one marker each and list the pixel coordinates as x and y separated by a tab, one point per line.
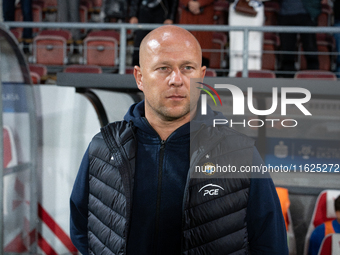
165	128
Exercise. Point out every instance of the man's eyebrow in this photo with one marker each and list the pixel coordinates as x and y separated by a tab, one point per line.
189	62
183	63
164	63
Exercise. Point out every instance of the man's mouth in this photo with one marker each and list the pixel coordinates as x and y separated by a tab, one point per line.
176	97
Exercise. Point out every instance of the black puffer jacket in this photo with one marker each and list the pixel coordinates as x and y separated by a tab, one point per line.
214	209
202	214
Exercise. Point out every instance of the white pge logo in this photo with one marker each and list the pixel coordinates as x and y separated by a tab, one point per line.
210	189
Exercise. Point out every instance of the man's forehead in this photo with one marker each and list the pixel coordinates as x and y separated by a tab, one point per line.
173	40
167	43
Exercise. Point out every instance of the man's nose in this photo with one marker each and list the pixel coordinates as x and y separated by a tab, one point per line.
176	78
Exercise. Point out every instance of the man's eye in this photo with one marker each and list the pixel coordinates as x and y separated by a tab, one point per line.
188	68
163	68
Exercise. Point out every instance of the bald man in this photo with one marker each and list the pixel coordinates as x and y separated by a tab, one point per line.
133	193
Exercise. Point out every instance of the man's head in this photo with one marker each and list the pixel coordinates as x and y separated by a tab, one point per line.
169	57
337	208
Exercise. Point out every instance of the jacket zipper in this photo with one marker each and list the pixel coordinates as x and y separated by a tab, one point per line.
159	187
159	191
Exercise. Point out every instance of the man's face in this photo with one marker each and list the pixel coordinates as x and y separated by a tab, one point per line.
164	77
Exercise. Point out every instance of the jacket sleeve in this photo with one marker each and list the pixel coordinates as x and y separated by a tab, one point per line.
78	207
265	223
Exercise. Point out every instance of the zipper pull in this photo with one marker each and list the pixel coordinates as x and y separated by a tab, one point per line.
162	144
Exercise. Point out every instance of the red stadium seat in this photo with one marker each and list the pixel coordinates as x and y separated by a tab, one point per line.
36	13
326	246
323	211
210	73
50	5
217	58
83	69
101	48
330	245
35	78
97	4
50	47
93	7
258	74
64	33
17	33
315	75
83	13
39	69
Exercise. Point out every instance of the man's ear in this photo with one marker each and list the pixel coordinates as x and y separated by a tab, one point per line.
138	77
203	69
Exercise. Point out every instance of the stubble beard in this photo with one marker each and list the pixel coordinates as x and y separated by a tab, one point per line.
166	114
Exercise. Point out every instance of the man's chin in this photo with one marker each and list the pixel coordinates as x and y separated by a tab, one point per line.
175	115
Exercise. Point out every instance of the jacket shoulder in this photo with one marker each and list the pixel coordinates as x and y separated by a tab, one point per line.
103	139
231	131
231	135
